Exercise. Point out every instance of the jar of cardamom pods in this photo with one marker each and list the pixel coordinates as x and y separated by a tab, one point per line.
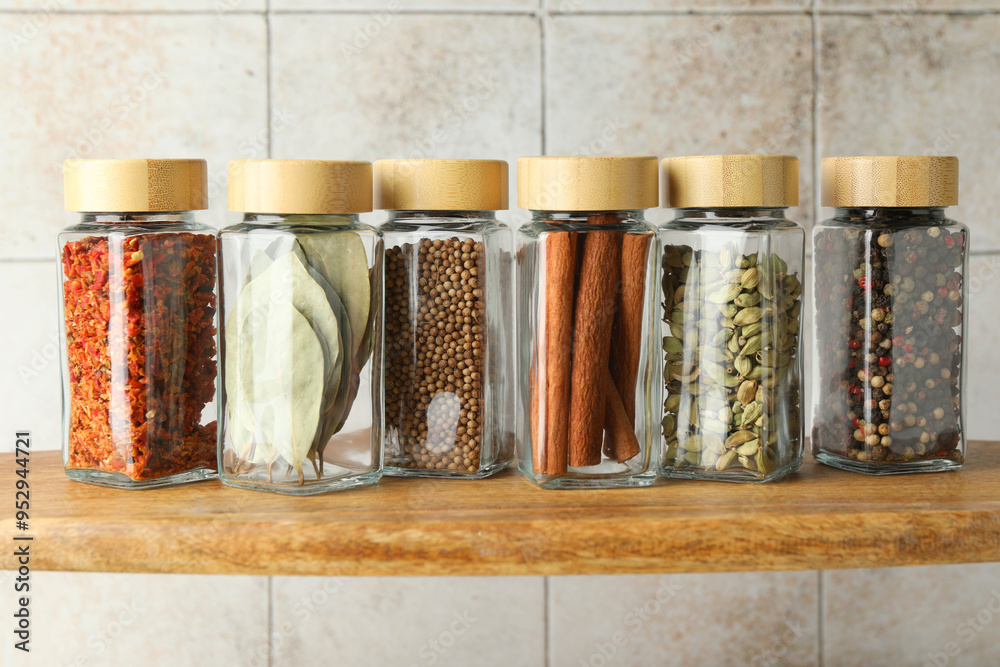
587	357
301	284
448	294
890	294
731	306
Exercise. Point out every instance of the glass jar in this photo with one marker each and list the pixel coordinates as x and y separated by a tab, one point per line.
301	287
449	350
732	301
138	293
890	294
585	321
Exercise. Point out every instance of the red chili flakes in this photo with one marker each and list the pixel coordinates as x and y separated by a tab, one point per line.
140	334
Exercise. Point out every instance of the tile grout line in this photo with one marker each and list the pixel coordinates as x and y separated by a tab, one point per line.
547	643
699	11
543	20
820	619
267	26
817	104
270	620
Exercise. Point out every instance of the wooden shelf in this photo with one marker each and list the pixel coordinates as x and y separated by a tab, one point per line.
817	518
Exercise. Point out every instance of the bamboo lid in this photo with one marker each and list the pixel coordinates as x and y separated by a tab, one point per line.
441	185
135	186
599	183
300	187
728	181
890	180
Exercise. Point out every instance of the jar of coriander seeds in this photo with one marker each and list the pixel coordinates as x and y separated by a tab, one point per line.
448	317
890	320
138	292
586	295
302	328
731	319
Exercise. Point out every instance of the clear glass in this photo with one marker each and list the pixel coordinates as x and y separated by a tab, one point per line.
138	340
888	356
301	348
449	350
731	329
586	379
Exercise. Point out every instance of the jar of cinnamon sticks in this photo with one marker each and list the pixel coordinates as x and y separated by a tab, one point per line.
449	349
586	300
731	308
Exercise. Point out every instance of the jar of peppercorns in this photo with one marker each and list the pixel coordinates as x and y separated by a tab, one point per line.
138	300
448	294
890	295
301	287
587	287
731	319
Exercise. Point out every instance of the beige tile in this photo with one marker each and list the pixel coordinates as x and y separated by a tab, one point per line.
383	9
920	84
29	353
37	11
721	6
408	621
124	86
690	619
140	619
943	615
904	7
423	86
682	85
982	351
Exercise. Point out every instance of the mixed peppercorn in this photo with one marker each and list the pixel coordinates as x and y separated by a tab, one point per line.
889	311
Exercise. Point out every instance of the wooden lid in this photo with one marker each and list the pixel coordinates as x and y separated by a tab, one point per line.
441	185
135	186
300	187
890	180
599	183
728	181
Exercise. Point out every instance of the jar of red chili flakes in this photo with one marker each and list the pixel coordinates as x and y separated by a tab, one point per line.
138	290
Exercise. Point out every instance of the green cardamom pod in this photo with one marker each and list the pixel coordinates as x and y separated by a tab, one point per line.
750	278
743	366
751	413
747	299
726	460
672	345
748	316
752	346
751	330
725	295
749	448
738	438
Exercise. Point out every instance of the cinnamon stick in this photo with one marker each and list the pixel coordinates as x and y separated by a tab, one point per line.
627	332
559	255
620	442
600	266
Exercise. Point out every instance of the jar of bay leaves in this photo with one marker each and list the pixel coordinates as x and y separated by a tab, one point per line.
449	348
890	289
587	361
731	305
301	284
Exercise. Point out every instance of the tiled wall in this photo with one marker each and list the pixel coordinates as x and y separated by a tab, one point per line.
366	79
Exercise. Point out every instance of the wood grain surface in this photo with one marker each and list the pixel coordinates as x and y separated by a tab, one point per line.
817	518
